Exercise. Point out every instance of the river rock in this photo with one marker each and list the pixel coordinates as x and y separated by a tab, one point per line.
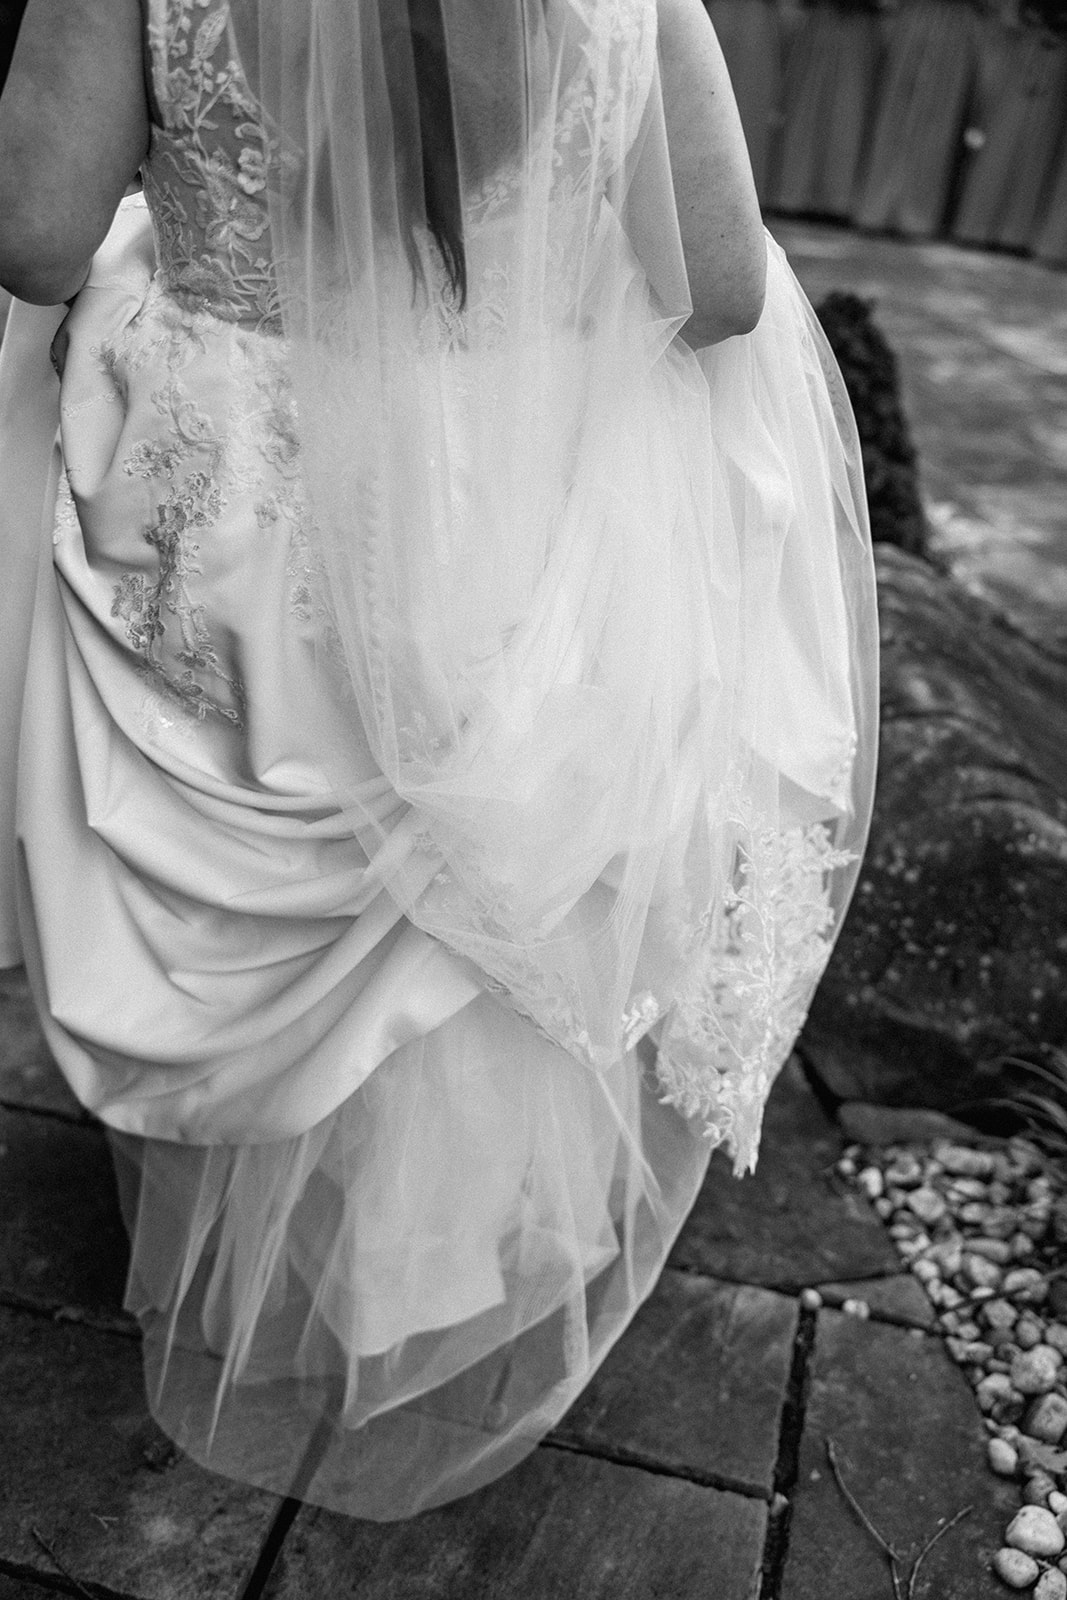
998	1314
947	1255
1003	1458
872	1183
1036	1531
1027	1285
905	1171
982	1273
996	1386
1052	1585
952	954
1015	1568
998	1250
928	1205
1035	1371
1039	1485
963	1162
1047	1419
1027	1334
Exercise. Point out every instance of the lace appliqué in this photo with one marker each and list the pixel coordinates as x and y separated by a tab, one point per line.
207	171
747	969
749	987
145	605
242	451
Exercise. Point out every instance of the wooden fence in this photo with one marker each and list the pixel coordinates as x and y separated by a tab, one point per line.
932	120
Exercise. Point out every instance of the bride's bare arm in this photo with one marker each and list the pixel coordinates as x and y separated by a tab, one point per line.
73	131
718	212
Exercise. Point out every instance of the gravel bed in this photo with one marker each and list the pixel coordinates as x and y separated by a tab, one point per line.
985	1232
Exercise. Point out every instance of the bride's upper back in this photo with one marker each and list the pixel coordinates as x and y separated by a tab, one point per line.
460	116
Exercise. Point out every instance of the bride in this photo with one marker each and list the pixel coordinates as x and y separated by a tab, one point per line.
437	688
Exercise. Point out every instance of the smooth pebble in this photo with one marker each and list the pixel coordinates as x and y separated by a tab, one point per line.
1003	1458
982	1273
905	1172
998	1314
996	1386
1052	1585
1035	1371
1026	1283
871	1182
1047	1419
998	1250
963	1162
1035	1530
947	1254
927	1204
1039	1485
1015	1569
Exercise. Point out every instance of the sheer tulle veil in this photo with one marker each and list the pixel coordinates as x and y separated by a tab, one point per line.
603	605
603	609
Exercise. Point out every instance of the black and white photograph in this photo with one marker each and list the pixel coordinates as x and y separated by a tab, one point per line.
533	799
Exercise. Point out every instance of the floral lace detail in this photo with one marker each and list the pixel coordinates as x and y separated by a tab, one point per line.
748	967
749	987
145	605
239	449
208	167
66	525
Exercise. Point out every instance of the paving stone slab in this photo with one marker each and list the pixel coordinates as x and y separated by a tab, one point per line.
792	1223
696	1384
982	344
61	1236
558	1527
84	1464
28	1075
17	1589
912	1449
900	1298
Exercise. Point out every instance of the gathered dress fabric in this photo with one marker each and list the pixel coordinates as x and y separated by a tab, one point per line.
417	911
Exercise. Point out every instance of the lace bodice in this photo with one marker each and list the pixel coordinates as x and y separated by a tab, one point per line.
208	166
212	159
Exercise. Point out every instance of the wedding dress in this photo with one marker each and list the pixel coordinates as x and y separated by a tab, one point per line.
438	727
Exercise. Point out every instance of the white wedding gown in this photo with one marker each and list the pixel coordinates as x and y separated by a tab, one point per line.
383	1228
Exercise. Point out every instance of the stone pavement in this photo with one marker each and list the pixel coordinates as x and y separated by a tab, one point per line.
982	343
693	1468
